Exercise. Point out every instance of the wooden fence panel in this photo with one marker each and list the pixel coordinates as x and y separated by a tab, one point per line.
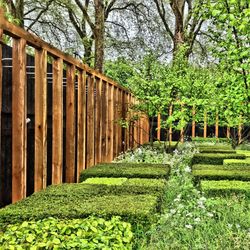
19	111
57	122
115	123
70	124
104	121
81	127
110	123
90	123
40	120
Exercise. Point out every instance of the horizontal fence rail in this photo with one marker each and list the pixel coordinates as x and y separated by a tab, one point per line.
58	116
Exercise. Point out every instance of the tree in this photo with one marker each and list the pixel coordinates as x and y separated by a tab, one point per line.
186	26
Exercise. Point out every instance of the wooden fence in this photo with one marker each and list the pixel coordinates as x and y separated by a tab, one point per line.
58	116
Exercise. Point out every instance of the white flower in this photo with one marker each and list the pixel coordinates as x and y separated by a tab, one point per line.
237	226
229	225
197	219
187	169
188	226
203	198
172	211
210	214
189	214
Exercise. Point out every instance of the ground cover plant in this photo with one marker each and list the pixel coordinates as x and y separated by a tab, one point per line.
192	220
50	233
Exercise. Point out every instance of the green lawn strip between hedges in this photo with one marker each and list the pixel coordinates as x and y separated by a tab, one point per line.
91	233
214	159
225	187
222	174
126	170
136	209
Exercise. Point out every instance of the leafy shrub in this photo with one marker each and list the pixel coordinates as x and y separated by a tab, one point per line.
212	139
225	187
51	233
127	170
216	174
214	159
216	150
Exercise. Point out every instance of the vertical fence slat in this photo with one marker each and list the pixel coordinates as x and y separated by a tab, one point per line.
159	127
110	122
98	127
81	123
40	120
57	122
90	123
70	124
19	120
115	135
104	120
228	132
119	117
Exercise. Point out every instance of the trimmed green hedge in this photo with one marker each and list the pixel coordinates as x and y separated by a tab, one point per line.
136	209
219	167
91	233
225	187
244	152
105	181
214	159
128	170
237	163
216	174
216	151
209	139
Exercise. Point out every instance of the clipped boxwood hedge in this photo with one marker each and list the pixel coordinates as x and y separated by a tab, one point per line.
216	174
219	167
237	163
244	152
136	209
128	170
216	150
91	233
214	159
210	139
225	187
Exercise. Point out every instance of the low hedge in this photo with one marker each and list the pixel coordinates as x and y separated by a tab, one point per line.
225	187
222	174
91	233
210	139
219	167
127	170
237	163
244	152
136	209
211	150
214	159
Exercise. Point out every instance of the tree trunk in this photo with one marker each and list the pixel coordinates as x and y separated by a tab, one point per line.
99	34
178	10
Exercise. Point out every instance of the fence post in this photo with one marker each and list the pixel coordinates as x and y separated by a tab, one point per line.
70	124
228	132
110	122
81	123
90	123
159	127
40	120
193	122
57	121
19	112
205	125
217	126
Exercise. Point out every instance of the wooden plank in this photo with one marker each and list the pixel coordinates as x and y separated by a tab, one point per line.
205	125
159	127
228	132
81	123
40	171
217	126
98	123
128	118
104	120
57	122
115	134
70	125
123	103
90	154
17	32
193	122
110	123
19	112
119	117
